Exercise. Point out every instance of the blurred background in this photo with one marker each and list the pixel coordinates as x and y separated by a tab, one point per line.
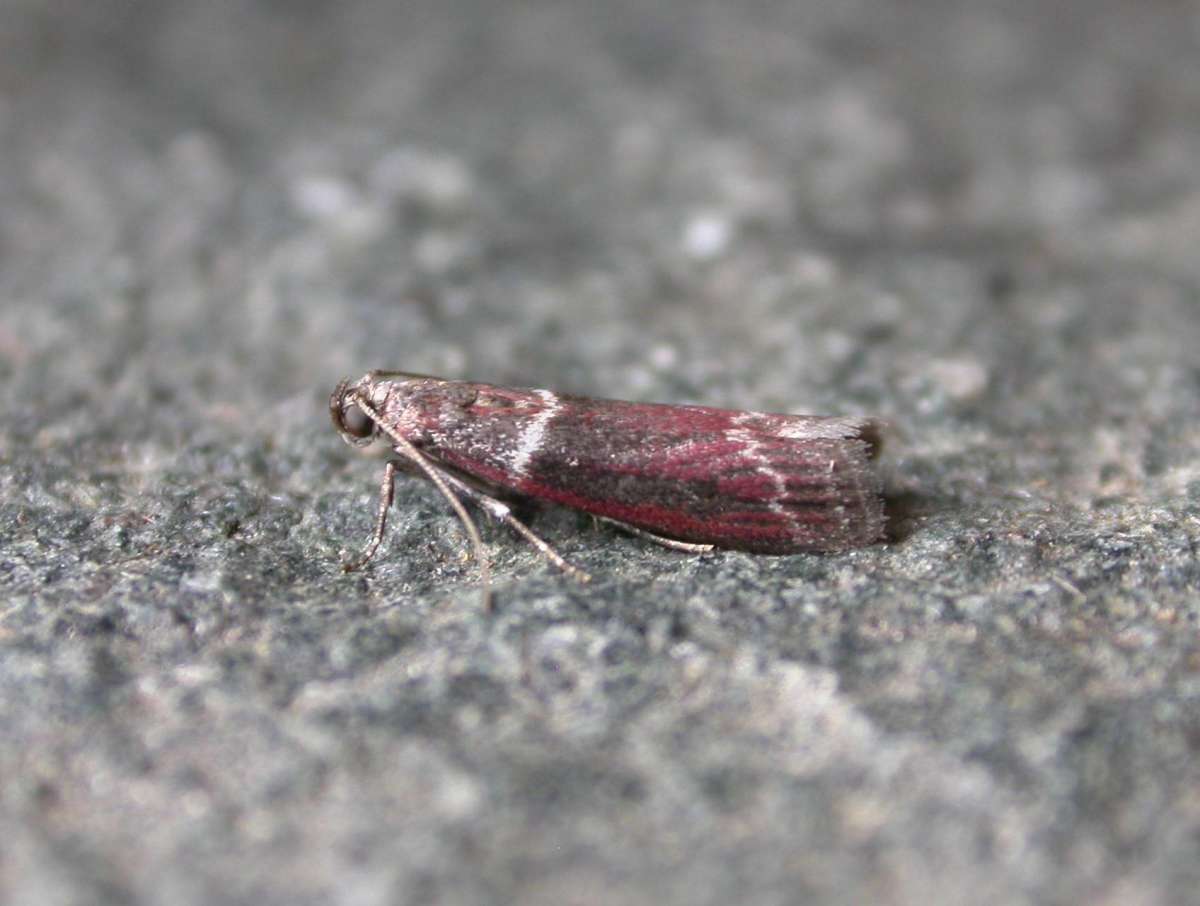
273	194
978	220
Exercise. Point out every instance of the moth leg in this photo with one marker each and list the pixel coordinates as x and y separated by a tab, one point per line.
386	491
501	511
405	448
674	544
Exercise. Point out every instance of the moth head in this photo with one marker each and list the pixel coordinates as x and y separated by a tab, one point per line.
352	421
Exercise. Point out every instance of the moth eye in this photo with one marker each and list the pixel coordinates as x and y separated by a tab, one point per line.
357	423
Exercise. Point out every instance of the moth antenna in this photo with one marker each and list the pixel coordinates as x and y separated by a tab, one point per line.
403	445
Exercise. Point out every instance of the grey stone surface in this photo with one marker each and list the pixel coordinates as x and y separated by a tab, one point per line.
978	220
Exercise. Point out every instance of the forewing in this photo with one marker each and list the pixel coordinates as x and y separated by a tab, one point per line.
743	480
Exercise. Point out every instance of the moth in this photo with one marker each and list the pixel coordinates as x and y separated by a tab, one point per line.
692	478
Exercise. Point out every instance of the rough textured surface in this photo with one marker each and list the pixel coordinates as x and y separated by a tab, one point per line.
976	219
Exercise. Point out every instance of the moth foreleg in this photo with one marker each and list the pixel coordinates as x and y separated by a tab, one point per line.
386	491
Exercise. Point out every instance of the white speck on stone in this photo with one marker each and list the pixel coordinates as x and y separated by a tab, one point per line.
707	235
439	181
664	356
339	208
323	197
203	581
458	796
960	379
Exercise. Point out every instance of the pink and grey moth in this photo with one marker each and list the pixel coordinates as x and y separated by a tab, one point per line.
690	477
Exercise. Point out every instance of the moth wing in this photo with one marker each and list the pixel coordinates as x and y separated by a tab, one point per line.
742	480
787	483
